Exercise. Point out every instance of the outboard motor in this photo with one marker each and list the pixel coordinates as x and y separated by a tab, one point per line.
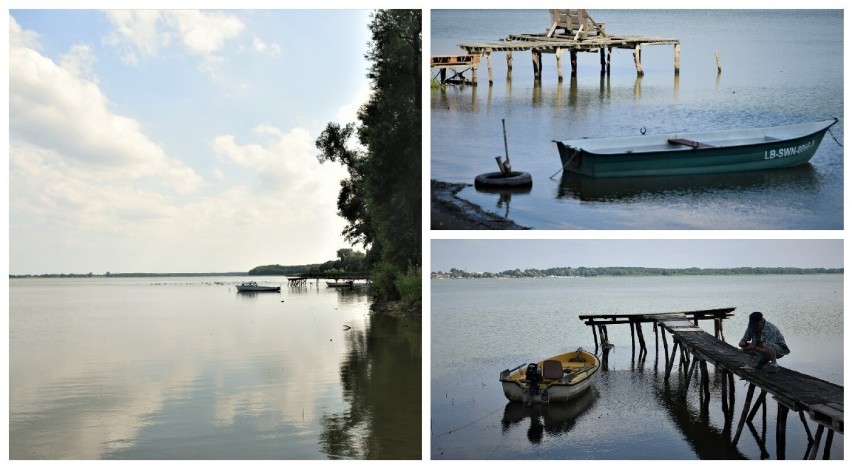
533	378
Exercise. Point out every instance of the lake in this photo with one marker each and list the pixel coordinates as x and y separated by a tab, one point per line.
769	77
188	368
480	327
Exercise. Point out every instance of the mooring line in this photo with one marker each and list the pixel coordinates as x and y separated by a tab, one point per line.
471	423
835	138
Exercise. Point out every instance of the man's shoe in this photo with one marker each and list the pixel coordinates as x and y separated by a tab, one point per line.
762	362
772	368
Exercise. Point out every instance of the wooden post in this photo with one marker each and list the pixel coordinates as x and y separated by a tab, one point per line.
509	61
641	338
559	51
677	58
632	337
781	432
603	61
731	395
817	441
490	72
689	376
705	381
637	57
536	62
746	405
656	340
608	59
718	64
573	63
826	454
595	334
725	407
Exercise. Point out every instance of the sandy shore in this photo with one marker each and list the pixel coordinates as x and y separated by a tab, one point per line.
449	212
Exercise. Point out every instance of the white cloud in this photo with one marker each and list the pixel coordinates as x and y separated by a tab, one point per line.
78	61
286	161
57	109
21	38
260	46
145	32
349	112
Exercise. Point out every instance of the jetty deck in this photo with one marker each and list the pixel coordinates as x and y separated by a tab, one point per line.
573	31
302	279
820	400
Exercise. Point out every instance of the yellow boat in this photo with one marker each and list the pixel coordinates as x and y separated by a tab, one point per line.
556	379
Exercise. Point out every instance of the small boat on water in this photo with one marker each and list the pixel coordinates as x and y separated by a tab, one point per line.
346	284
253	286
556	379
690	153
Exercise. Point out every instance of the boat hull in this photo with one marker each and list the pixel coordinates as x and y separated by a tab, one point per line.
713	152
579	369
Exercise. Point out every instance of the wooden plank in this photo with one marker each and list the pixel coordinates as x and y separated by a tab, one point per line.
830	415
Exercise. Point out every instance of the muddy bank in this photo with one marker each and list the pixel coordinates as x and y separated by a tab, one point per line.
449	212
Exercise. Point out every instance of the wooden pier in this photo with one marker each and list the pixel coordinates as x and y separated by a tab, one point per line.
458	66
573	31
302	279
820	400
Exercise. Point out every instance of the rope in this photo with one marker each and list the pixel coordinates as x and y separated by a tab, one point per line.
562	169
832	136
471	423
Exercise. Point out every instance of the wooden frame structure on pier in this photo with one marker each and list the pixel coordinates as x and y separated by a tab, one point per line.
573	31
302	279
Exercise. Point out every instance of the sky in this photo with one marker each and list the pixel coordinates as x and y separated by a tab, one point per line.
500	255
177	140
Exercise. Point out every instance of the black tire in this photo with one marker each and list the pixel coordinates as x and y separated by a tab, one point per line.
497	179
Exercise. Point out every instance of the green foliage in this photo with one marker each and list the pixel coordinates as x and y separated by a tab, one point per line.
276	269
381	199
383	277
632	272
348	260
410	288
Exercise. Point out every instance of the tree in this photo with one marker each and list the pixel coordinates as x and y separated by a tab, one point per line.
381	199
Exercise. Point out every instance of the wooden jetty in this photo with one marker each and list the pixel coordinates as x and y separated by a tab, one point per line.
458	66
573	31
820	400
302	279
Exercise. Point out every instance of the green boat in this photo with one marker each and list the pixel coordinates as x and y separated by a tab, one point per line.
690	153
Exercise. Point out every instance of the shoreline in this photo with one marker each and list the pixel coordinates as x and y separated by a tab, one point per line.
449	212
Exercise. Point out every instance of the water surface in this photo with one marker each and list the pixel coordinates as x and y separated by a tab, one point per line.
480	327
770	77
187	368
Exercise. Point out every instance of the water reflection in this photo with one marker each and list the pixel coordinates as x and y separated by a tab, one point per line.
504	196
801	179
102	370
552	419
381	380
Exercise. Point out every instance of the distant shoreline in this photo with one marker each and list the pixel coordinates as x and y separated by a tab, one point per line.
585	272
133	275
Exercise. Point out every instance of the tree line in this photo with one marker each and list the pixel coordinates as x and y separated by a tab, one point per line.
380	199
632	272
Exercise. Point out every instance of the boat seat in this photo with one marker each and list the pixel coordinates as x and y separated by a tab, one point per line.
689	143
551	369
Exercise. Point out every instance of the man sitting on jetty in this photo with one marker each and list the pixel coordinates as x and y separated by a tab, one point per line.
765	341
